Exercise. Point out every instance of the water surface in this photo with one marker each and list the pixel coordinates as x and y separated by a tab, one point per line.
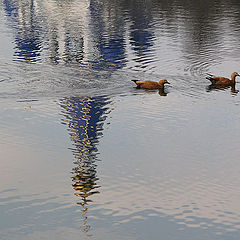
84	154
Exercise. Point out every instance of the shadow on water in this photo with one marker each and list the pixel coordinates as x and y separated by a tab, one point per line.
84	117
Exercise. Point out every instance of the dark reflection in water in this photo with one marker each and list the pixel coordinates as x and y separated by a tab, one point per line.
28	31
107	27
163	92
233	89
84	117
161	36
141	31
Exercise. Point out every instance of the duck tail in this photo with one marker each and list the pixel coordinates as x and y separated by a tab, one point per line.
212	80
210	75
135	80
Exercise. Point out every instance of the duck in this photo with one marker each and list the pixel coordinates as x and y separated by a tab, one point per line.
222	81
151	84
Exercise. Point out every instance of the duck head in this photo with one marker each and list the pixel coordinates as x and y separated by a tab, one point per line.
234	74
163	81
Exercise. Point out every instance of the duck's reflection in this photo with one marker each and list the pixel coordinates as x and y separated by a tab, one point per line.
84	117
162	92
233	89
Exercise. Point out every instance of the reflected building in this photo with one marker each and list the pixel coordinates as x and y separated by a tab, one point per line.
84	117
45	30
141	31
28	33
107	35
86	32
98	33
66	35
90	32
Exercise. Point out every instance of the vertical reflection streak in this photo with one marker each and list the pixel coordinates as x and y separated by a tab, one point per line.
28	38
193	36
141	33
107	34
84	117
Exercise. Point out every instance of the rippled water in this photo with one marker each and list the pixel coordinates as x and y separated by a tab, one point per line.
84	154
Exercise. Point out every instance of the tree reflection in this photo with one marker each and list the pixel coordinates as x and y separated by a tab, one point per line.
84	117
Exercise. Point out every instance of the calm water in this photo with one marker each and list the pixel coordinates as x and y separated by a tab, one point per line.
86	155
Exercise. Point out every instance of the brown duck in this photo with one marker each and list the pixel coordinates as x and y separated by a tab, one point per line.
151	84
222	81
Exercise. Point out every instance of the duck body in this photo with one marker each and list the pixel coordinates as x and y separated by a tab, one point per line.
222	81
151	84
